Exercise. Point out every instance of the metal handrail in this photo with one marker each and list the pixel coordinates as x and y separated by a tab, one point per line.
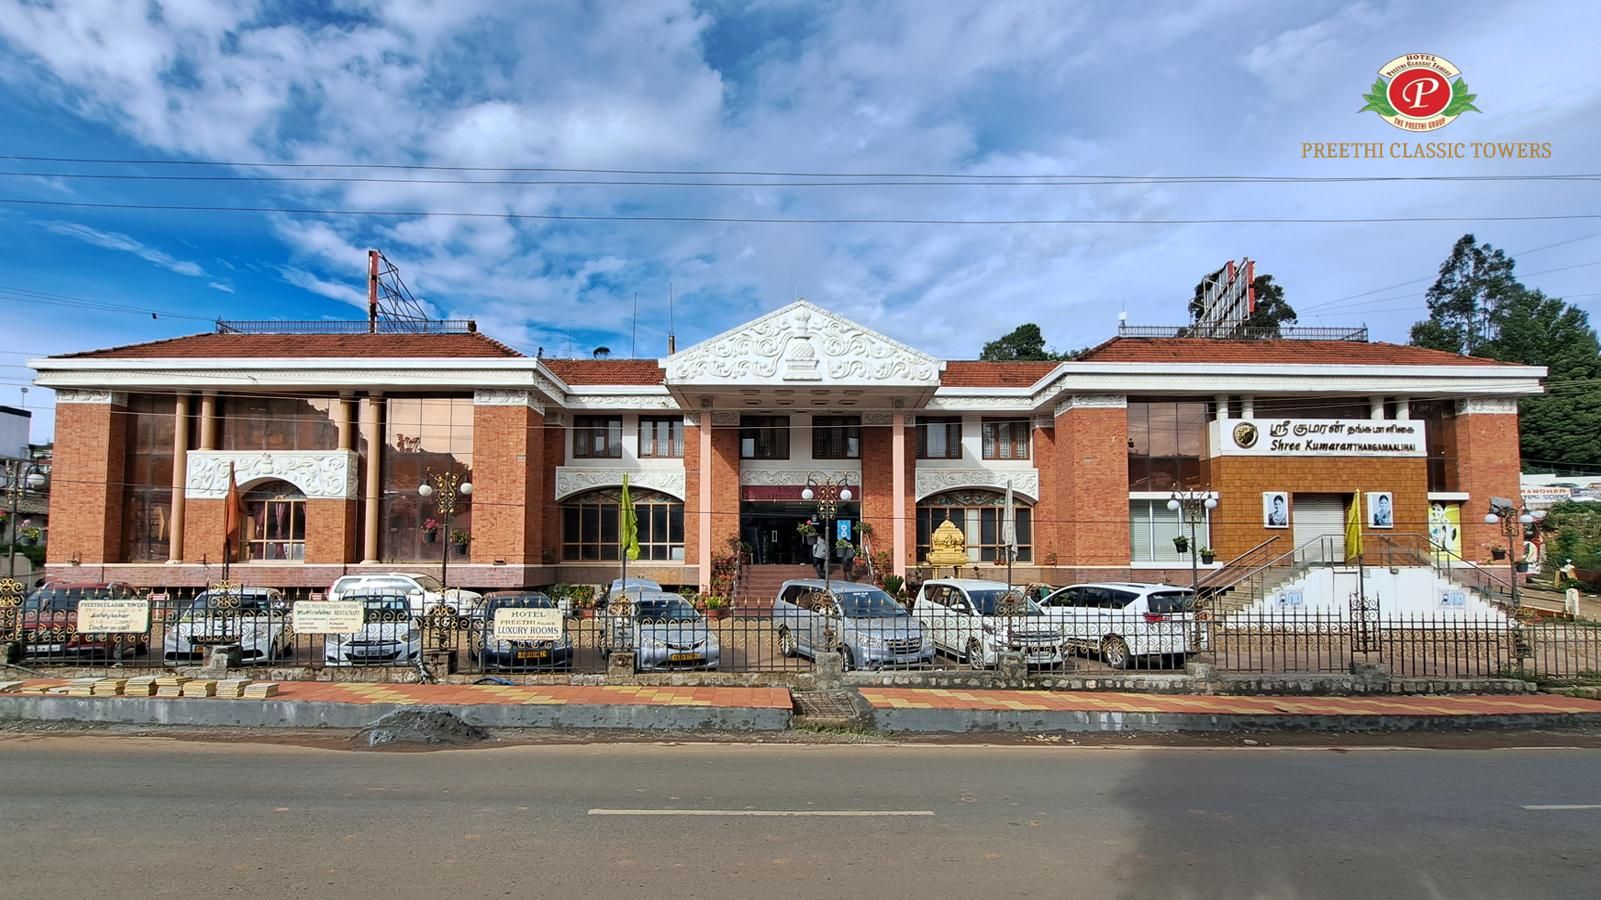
1432	557
1218	580
1290	560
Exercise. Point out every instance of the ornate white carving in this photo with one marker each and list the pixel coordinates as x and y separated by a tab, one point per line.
320	475
572	480
980	404
1093	401
795	477
1492	405
720	419
878	418
691	420
621	401
495	397
928	482
104	398
802	342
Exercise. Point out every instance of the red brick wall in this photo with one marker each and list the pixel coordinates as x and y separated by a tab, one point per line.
331	535
1046	539
692	490
86	483
508	484
1241	480
202	531
878	485
1091	494
555	455
1487	465
725	487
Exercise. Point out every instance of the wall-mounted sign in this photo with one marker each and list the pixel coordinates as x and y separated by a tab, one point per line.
113	616
1453	599
1540	496
1318	437
324	617
528	624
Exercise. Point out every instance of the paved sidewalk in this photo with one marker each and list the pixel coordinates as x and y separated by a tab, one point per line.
907	709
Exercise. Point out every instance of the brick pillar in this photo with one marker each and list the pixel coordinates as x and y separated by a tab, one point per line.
1046	540
1091	449
508	504
86	477
1487	464
694	426
903	463
330	531
202	540
722	468
878	481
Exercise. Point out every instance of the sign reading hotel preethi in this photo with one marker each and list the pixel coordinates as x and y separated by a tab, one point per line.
1318	437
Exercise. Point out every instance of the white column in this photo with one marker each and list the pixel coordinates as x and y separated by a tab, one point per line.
208	421
897	457
1222	401
343	413
1247	406
374	487
180	476
1375	407
1403	407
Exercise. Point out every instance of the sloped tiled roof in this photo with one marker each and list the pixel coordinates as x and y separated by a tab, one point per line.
972	373
627	372
1287	352
323	346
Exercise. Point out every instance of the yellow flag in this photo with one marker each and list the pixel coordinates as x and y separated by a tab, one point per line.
628	532
1353	527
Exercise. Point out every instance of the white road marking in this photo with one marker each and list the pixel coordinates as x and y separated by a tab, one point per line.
771	813
1562	806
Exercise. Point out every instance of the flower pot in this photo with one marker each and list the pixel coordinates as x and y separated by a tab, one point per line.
1522	567
1208	558
461	549
430	537
1181	544
1498	554
715	614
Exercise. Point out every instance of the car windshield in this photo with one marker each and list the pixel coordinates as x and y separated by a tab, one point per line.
869	605
429	583
985	601
667	609
635	584
386	609
65	599
530	601
1164	602
249	604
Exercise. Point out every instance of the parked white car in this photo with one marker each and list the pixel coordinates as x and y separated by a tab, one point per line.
258	623
960	613
1126	622
423	592
389	635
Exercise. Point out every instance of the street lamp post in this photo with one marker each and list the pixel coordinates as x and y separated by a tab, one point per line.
1511	519
21	476
828	494
1194	507
450	487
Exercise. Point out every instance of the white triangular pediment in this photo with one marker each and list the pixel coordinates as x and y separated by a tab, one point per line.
802	343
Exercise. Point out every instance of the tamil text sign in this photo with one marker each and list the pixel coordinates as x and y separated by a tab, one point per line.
1318	437
324	617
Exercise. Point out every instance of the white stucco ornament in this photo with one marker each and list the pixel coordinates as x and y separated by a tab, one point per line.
572	480
928	482
320	475
802	343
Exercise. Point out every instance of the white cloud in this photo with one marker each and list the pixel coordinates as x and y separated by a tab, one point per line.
219	286
344	293
112	240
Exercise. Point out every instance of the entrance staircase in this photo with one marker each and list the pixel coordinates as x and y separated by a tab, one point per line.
759	584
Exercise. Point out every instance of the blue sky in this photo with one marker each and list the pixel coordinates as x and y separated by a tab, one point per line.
1187	88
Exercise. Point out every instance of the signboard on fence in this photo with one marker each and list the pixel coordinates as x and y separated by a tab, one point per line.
113	616
323	617
528	624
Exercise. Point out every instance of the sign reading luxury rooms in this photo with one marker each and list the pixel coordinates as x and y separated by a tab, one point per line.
1318	437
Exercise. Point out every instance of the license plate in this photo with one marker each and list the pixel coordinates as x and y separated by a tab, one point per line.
533	654
683	657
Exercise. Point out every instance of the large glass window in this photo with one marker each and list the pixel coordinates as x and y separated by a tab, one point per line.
1006	438
661	436
423	435
1311	408
1152	528
275	522
764	437
939	437
980	515
147	479
597	437
279	423
1166	445
1439	438
836	437
590	523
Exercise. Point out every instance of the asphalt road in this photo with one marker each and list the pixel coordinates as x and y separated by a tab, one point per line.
145	817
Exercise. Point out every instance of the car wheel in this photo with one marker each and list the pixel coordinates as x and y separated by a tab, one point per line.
788	644
1114	652
975	654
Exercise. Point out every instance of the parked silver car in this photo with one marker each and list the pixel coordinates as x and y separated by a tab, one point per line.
257	620
964	615
870	629
663	630
388	637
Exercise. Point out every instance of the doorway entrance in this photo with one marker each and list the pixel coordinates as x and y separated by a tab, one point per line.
771	529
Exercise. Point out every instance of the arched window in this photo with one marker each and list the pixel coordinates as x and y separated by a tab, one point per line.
979	513
589	524
275	522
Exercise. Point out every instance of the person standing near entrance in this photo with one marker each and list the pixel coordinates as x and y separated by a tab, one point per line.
820	554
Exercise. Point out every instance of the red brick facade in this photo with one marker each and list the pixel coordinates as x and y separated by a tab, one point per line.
1241	480
1488	463
509	495
1087	510
86	484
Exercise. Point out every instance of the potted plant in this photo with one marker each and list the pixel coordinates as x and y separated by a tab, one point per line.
892	585
1050	558
1498	552
28	533
715	607
1181	544
807	528
1207	555
430	531
459	540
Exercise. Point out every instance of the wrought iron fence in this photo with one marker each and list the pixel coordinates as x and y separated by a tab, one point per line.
52	627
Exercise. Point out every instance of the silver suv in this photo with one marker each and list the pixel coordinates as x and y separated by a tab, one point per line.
872	630
422	592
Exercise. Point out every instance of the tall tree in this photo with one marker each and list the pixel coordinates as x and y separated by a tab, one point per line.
1474	280
1271	312
1026	341
1478	307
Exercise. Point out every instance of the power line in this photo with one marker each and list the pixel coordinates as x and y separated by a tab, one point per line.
753	220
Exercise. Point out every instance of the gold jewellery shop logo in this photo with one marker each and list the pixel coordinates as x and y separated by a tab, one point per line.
1419	92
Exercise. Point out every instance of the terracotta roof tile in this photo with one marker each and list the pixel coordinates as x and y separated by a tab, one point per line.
253	346
973	373
606	371
1206	350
